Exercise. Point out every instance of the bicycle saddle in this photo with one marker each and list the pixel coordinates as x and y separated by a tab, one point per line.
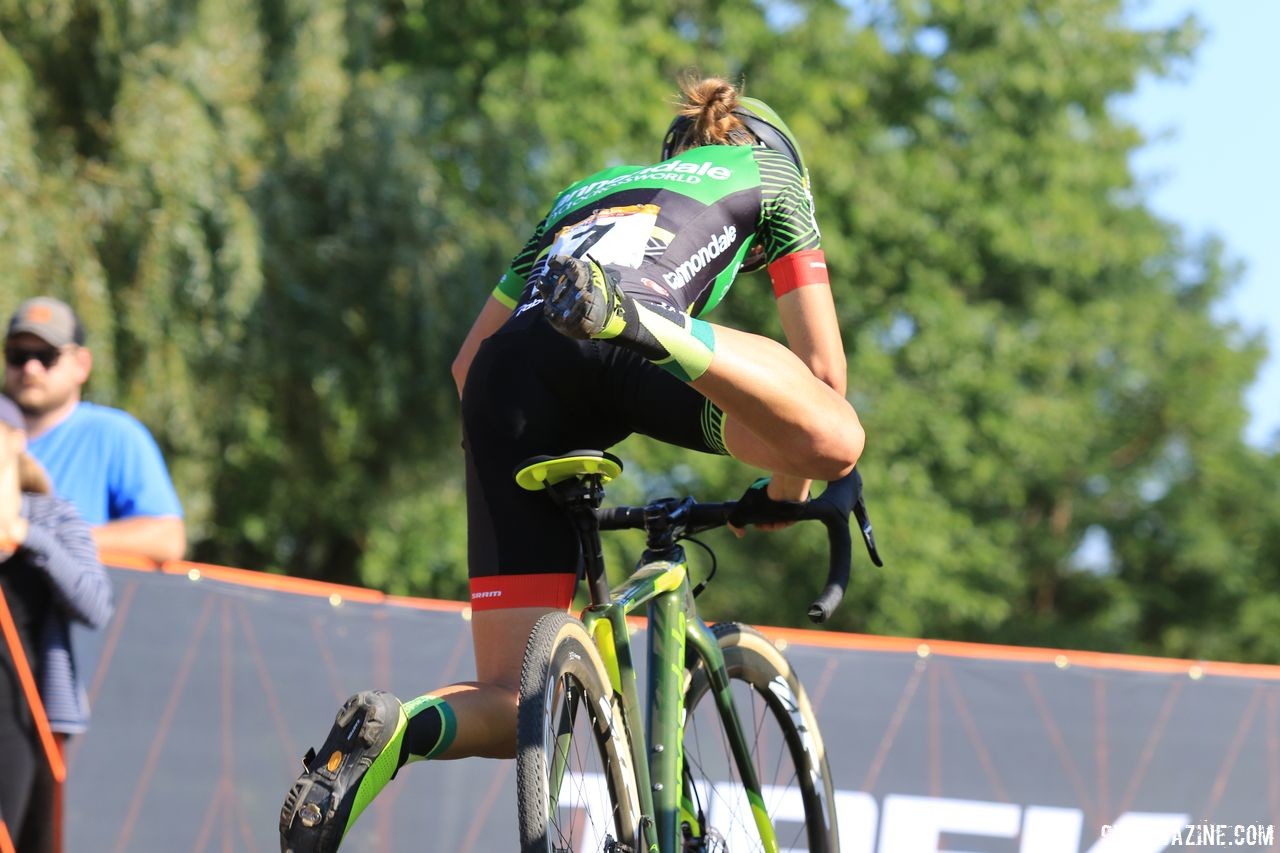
538	472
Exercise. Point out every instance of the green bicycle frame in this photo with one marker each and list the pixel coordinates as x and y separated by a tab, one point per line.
662	583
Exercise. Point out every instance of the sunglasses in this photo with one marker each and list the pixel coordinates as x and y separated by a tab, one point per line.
18	358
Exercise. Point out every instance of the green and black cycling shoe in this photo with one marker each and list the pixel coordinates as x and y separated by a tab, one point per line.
581	300
358	758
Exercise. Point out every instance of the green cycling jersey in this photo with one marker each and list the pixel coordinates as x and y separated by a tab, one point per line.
680	230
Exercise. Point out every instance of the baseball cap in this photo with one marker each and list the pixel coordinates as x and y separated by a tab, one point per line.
49	319
10	414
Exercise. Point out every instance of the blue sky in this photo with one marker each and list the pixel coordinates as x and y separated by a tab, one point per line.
1213	162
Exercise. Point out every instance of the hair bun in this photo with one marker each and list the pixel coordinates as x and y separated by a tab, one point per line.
709	103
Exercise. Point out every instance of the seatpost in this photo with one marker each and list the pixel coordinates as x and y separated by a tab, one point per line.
582	496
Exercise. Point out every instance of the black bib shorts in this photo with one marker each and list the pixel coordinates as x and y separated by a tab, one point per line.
531	391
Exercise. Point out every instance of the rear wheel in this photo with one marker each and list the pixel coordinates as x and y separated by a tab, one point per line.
575	784
785	745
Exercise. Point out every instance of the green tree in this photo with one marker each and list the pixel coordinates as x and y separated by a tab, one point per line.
278	219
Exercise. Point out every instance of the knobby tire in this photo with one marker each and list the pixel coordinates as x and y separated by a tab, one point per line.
575	784
785	743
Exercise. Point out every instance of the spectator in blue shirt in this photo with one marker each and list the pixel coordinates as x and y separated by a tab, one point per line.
101	459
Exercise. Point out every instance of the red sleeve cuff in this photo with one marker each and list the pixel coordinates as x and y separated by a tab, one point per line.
798	269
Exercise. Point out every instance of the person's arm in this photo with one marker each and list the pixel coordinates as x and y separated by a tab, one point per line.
490	318
58	543
808	315
798	272
159	538
144	516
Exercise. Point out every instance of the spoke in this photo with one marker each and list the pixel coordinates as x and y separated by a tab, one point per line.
717	788
583	785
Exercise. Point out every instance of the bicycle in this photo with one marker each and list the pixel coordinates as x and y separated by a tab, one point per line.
589	778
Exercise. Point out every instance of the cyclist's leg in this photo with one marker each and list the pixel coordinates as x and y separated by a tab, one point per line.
786	418
368	743
529	392
375	735
657	404
779	416
525	396
486	708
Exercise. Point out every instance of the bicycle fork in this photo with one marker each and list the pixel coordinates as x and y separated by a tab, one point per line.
658	756
707	647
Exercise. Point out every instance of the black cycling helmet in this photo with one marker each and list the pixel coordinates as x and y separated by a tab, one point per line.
765	125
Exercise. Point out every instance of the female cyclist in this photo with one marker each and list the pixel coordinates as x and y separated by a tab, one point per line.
593	333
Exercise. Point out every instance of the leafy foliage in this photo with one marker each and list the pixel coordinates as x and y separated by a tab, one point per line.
278	219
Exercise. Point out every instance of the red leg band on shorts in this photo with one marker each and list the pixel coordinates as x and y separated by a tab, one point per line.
503	592
798	269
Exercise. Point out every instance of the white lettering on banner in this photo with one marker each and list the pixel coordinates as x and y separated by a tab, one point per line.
856	817
918	824
1052	830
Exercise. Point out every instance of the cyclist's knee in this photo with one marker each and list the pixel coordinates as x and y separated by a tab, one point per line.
826	449
842	446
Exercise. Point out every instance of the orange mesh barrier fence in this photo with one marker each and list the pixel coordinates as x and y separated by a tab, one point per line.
210	683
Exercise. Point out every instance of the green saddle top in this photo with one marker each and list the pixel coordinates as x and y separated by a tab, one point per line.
541	471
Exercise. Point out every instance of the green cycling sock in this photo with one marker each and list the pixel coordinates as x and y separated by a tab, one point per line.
430	730
424	728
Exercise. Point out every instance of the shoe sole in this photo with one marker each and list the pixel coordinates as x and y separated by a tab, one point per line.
313	802
576	307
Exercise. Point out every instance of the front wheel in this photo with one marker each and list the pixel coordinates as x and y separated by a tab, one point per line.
575	784
784	744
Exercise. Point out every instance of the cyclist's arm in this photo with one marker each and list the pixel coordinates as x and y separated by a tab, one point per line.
798	271
808	317
491	317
